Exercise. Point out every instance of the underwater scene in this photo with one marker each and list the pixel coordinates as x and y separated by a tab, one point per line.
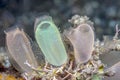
59	40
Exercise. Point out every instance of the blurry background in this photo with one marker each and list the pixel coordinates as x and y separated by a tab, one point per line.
104	13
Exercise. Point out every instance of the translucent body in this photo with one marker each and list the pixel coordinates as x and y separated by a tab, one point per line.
82	39
49	40
20	50
114	72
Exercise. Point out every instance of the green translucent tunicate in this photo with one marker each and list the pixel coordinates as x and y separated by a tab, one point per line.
49	40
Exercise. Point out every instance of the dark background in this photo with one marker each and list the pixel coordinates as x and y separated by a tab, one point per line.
104	13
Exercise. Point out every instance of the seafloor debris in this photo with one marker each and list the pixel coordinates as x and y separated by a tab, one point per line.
4	76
